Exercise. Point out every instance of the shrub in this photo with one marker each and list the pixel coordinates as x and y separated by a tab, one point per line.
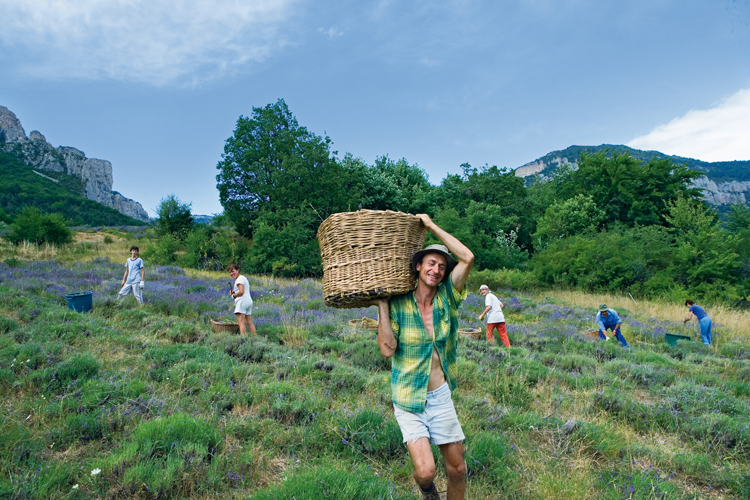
164	458
488	455
7	325
332	484
367	355
163	251
200	250
346	379
642	375
78	368
34	226
372	434
289	404
502	279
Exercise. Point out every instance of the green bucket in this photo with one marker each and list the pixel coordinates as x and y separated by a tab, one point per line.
672	338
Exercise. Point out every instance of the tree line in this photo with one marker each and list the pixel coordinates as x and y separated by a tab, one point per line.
615	223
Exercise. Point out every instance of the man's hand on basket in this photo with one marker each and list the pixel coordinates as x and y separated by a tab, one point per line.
426	221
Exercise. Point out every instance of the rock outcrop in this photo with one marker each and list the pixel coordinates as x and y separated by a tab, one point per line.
96	174
723	193
537	166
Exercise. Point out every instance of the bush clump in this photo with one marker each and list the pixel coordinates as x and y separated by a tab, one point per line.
164	458
34	226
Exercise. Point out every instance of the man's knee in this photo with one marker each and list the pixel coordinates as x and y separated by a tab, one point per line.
456	470
424	473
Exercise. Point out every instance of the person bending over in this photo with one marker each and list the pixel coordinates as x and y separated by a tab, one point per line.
607	319
703	320
496	318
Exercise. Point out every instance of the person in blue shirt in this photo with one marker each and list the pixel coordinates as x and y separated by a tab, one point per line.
703	320
607	319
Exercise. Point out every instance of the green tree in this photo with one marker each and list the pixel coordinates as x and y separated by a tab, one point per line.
703	260
284	244
387	185
486	231
272	163
629	191
173	218
578	215
738	218
484	204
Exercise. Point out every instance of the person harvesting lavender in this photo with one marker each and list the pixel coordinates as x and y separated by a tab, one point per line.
134	278
704	320
419	332
496	318
243	301
607	319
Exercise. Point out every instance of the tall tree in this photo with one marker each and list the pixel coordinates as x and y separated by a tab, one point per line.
272	163
629	191
173	217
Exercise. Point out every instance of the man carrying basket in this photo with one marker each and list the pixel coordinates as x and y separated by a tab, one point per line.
419	331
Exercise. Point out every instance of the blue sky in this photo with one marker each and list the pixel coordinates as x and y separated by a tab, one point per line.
156	86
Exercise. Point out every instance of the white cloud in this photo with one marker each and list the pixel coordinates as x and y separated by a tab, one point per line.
721	133
151	41
332	32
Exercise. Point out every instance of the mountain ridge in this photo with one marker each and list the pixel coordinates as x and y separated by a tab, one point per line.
723	182
37	153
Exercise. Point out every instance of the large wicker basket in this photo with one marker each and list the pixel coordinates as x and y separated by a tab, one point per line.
219	325
367	255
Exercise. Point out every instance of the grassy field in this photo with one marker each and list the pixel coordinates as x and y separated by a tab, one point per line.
147	402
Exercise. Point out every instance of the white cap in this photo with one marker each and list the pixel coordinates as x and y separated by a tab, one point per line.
484	287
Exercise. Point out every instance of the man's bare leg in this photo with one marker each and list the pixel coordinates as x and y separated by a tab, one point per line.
424	462
455	465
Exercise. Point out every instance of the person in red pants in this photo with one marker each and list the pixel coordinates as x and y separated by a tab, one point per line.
495	318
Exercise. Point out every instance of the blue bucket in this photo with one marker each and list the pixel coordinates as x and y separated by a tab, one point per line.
80	302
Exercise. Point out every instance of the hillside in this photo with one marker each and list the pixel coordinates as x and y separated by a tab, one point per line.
723	171
726	182
52	191
130	402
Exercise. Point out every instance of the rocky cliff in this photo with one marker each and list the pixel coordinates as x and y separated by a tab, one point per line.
96	175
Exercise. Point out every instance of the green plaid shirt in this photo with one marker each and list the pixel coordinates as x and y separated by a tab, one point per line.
411	363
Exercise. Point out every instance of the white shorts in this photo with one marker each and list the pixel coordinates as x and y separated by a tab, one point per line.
135	288
438	421
244	305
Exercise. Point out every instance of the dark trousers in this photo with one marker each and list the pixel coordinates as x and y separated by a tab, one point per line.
617	333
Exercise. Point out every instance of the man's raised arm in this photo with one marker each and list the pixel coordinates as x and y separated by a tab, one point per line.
459	250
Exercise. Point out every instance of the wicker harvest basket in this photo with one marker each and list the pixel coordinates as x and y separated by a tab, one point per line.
474	333
364	323
592	334
367	255
222	326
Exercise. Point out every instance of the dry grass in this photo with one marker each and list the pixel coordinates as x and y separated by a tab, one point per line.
85	247
737	322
